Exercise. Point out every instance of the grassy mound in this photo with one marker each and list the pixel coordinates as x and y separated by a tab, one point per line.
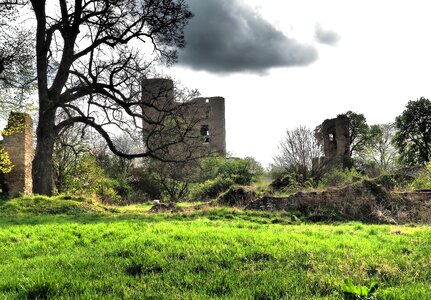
51	205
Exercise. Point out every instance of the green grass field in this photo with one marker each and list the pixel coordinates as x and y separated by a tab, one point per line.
216	253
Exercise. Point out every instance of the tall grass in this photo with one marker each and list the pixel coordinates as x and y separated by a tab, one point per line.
209	254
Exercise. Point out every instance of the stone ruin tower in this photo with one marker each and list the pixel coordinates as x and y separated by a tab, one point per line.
18	143
335	138
209	112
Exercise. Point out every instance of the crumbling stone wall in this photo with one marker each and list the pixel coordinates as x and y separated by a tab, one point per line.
364	201
157	96
18	143
208	113
336	137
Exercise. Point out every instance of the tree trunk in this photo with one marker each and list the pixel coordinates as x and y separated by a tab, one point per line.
43	172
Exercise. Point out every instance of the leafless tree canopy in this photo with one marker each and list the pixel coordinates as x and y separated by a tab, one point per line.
17	74
298	149
90	64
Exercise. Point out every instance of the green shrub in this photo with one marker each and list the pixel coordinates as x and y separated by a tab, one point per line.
394	181
338	177
239	170
288	184
144	186
237	196
107	191
423	179
85	177
211	188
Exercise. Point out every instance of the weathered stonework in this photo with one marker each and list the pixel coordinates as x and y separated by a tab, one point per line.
336	137
208	114
18	142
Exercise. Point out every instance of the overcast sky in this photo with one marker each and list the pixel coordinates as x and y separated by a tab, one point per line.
281	64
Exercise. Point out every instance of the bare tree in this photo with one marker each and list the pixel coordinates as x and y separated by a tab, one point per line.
297	151
70	145
174	177
17	73
90	66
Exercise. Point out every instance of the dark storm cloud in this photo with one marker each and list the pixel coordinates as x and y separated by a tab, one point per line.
325	36
225	36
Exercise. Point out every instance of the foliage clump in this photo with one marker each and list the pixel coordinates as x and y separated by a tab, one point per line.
413	136
338	177
219	174
352	292
423	180
5	162
237	197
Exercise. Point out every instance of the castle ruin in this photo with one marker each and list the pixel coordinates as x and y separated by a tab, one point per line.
334	137
208	113
18	143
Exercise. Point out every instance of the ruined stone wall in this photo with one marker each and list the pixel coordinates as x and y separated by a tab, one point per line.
336	137
18	143
157	95
366	202
208	114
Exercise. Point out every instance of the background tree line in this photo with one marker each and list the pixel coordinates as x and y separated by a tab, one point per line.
374	149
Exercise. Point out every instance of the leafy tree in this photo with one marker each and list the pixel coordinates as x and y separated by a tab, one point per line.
358	132
380	155
413	132
297	151
89	68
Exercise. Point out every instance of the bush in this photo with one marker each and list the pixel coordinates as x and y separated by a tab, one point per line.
211	188
423	179
288	184
85	177
394	181
144	185
338	177
107	191
239	170
237	197
276	172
